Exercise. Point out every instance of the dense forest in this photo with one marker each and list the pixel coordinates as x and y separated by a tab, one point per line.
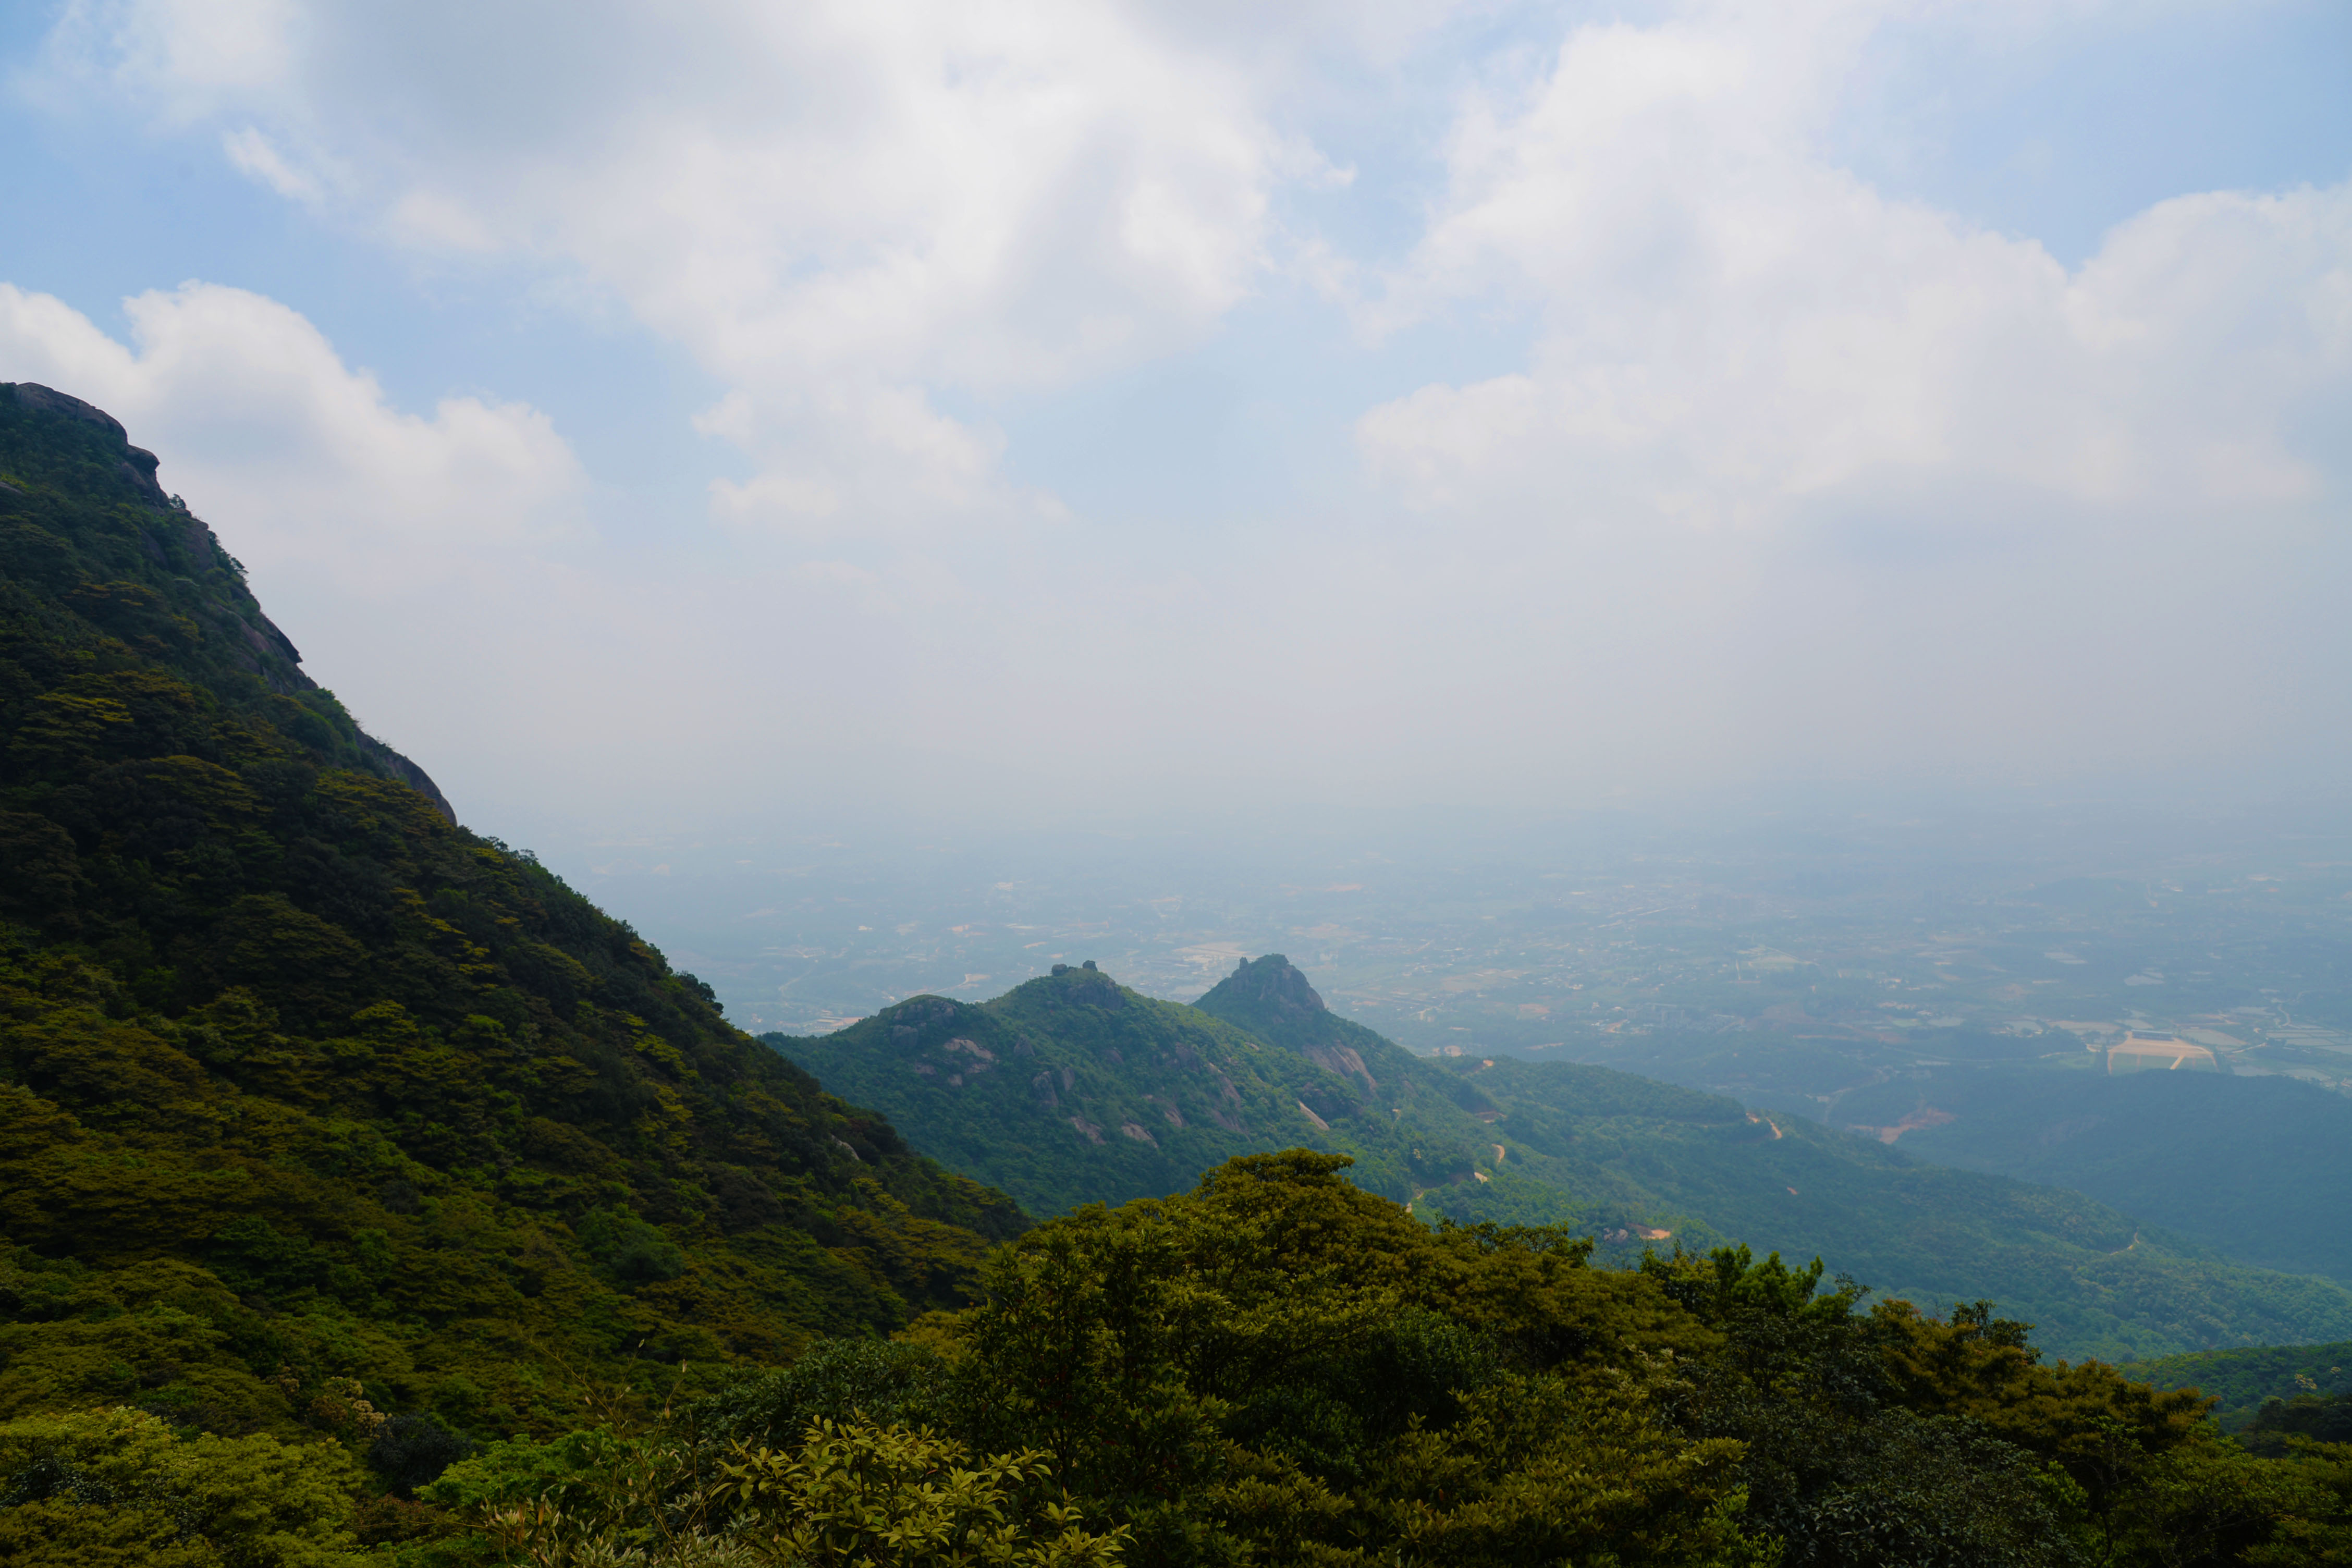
366	1195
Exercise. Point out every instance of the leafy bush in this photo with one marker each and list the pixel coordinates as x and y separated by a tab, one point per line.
627	1250
118	1487
882	1380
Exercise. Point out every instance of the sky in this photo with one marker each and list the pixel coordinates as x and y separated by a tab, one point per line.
651	414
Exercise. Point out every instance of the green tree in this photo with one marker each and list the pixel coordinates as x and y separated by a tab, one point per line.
99	1489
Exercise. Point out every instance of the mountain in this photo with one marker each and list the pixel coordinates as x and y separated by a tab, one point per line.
316	1106
2254	1167
1072	1088
2092	1280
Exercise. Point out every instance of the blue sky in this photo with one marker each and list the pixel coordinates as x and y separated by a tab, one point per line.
728	408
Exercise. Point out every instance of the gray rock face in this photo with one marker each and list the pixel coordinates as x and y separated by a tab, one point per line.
1344	1061
408	773
139	466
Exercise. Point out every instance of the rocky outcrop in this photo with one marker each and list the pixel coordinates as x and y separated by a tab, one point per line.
49	400
1269	984
1344	1061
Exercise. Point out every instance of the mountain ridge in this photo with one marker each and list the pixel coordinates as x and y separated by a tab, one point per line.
254	643
1635	1163
307	1089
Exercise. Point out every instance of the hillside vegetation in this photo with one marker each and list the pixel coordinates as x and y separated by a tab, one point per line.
1278	1367
2242	1381
1072	1089
2092	1280
317	1110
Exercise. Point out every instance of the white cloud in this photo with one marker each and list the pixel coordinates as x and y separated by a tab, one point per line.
186	59
1731	329
255	156
255	415
1786	472
835	208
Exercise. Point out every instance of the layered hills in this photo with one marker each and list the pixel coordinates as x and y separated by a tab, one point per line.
316	1106
1072	1088
2092	1280
2254	1167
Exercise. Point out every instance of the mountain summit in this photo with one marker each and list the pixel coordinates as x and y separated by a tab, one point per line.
1266	987
76	460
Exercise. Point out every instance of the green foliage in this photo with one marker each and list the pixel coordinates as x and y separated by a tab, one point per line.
2208	1503
855	1494
1279	1362
1279	1367
97	1487
627	1250
2243	1380
887	1381
2320	1417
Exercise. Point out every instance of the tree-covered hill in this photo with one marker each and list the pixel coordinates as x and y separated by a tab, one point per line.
311	1097
2244	1379
2255	1167
2094	1280
1072	1089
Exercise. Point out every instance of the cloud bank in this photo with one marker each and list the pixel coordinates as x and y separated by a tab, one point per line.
1792	476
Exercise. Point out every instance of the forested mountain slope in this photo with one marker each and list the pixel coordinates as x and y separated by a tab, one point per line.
2094	1280
307	1094
2256	1168
2244	1379
1071	1089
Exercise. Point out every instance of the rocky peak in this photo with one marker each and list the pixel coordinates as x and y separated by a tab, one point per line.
1270	983
137	465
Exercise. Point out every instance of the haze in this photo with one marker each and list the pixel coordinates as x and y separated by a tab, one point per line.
656	417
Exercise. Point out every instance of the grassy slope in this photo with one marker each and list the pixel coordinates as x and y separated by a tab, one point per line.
299	1080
